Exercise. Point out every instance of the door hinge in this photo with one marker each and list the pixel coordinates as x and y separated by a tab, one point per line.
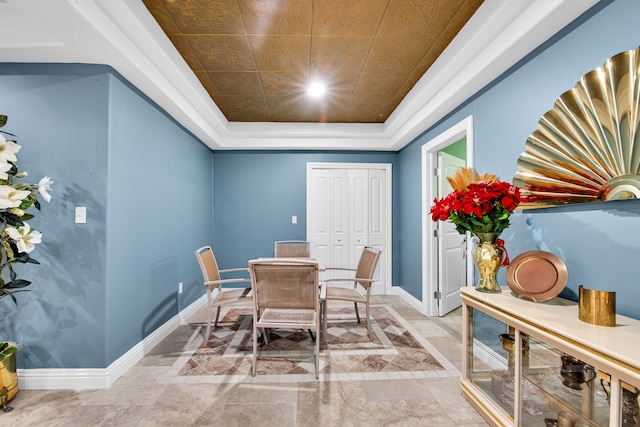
436	233
437	295
436	171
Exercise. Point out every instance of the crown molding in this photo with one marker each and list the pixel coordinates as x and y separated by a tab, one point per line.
124	35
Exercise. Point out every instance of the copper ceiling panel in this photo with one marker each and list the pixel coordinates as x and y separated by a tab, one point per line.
281	53
284	85
234	83
332	56
276	17
205	16
255	57
217	52
355	18
417	19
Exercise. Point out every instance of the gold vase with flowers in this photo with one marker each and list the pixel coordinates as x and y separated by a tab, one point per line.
480	204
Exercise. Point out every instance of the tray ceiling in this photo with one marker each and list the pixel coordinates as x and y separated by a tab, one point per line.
256	58
394	69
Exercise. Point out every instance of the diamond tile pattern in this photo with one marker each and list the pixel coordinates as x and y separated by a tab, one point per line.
395	349
255	57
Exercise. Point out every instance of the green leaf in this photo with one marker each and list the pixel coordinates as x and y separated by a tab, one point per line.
32	261
17	284
6	350
21	257
3	120
11	219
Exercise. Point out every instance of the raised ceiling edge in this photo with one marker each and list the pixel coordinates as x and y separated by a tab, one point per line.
136	47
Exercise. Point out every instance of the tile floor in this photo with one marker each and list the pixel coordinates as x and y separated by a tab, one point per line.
141	398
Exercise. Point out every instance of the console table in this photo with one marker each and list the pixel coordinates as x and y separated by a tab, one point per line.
549	364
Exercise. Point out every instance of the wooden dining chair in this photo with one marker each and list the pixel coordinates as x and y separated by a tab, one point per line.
286	295
217	295
359	292
292	249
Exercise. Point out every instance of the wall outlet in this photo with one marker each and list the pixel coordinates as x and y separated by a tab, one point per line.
180	287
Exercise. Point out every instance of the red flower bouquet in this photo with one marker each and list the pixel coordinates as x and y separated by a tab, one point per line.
479	203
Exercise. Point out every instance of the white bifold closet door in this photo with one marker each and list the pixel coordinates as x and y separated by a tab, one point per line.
347	211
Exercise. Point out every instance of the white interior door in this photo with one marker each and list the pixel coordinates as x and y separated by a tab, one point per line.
329	216
377	221
430	243
346	211
452	273
359	213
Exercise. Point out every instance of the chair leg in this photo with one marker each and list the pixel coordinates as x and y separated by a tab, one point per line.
323	316
207	330
317	354
355	304
368	321
255	351
215	323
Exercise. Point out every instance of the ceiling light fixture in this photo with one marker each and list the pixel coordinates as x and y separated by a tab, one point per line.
316	90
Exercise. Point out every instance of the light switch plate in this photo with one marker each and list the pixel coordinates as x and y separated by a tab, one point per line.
81	214
294	219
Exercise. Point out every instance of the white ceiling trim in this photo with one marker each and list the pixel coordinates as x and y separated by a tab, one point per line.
124	35
498	36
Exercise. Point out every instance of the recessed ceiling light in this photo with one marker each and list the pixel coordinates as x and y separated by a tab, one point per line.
316	89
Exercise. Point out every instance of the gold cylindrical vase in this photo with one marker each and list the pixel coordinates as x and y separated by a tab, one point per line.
597	307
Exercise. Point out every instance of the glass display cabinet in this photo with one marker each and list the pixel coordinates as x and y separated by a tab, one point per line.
537	364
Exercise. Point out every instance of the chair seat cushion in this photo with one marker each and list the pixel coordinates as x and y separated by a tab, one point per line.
346	294
293	316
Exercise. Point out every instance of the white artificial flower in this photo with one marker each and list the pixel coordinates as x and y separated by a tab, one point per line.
24	236
8	149
10	197
4	168
44	186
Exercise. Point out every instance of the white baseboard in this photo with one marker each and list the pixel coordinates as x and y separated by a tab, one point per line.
408	298
99	378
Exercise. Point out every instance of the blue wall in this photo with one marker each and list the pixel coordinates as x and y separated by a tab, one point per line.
257	192
159	212
600	242
146	182
154	194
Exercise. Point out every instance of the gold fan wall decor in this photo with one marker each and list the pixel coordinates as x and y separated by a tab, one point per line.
587	148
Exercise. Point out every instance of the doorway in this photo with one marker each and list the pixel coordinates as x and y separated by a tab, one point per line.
443	258
348	208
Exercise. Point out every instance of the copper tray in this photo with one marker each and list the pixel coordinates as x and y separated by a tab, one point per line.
537	276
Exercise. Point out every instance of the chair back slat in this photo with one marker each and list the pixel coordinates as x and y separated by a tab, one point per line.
208	264
285	285
367	265
292	249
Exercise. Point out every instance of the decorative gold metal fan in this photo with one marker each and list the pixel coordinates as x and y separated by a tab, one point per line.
587	148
